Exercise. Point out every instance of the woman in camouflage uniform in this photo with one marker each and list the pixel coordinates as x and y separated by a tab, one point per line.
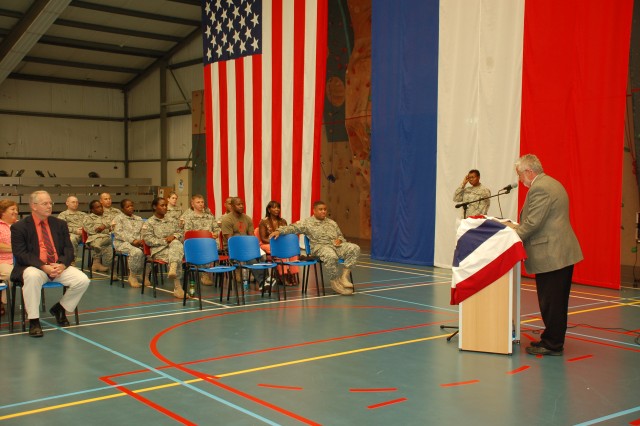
128	239
164	237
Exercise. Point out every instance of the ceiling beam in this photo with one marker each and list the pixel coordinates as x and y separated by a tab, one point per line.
114	30
100	47
84	65
197	3
70	81
188	39
100	28
27	32
134	13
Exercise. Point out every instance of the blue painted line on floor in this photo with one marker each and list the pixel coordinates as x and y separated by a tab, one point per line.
169	377
439	308
609	417
82	392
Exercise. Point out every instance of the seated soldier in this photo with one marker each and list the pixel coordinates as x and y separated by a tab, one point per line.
98	229
164	237
75	222
328	243
128	239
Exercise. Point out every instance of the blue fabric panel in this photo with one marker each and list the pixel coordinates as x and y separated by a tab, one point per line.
404	97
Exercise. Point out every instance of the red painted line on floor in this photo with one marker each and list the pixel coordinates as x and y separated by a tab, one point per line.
610	345
382	404
154	349
635	422
277	348
519	370
374	390
580	358
469	382
151	404
265	385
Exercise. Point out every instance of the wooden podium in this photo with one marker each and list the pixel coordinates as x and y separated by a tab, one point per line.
489	320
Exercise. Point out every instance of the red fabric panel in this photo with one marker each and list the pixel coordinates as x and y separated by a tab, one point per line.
575	62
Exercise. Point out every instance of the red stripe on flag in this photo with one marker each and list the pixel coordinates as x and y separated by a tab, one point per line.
298	107
240	126
321	56
276	105
208	106
224	130
257	137
487	275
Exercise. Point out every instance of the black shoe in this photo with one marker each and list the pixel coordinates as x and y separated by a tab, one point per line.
537	344
58	312
35	330
541	350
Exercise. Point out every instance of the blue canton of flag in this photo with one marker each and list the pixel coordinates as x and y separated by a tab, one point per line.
231	29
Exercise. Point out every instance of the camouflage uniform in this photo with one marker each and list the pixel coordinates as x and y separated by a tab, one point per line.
75	220
155	231
205	221
173	213
322	234
128	229
100	241
111	213
471	193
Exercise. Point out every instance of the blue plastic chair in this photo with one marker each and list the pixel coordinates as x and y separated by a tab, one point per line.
4	286
245	248
307	247
204	251
287	246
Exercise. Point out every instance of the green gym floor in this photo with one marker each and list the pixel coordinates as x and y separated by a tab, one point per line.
378	357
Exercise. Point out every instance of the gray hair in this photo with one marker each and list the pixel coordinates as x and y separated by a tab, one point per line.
34	196
529	162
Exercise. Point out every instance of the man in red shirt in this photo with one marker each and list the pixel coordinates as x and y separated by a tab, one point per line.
43	252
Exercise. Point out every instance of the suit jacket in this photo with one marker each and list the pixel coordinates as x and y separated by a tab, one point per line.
545	228
26	248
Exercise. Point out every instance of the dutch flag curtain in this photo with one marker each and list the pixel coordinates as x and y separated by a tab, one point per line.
474	84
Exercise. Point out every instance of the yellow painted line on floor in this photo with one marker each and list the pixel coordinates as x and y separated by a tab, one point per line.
337	354
235	373
615	305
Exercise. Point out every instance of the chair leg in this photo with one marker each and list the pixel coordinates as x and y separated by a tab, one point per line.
144	274
113	262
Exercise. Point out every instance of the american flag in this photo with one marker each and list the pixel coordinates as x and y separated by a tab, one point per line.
264	86
485	251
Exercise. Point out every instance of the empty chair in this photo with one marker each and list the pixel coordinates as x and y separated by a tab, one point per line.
198	254
246	248
287	246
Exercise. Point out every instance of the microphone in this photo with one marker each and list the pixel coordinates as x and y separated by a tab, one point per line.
509	187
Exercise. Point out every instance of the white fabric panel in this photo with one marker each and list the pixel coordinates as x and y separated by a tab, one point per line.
479	95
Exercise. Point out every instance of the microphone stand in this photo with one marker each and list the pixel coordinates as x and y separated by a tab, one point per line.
464	206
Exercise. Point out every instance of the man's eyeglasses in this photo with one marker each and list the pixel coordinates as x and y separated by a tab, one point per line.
46	203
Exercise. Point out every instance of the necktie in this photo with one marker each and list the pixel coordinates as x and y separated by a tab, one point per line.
48	245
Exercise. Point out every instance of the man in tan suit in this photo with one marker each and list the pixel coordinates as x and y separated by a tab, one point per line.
552	250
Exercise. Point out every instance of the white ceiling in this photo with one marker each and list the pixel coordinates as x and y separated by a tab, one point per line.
103	43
